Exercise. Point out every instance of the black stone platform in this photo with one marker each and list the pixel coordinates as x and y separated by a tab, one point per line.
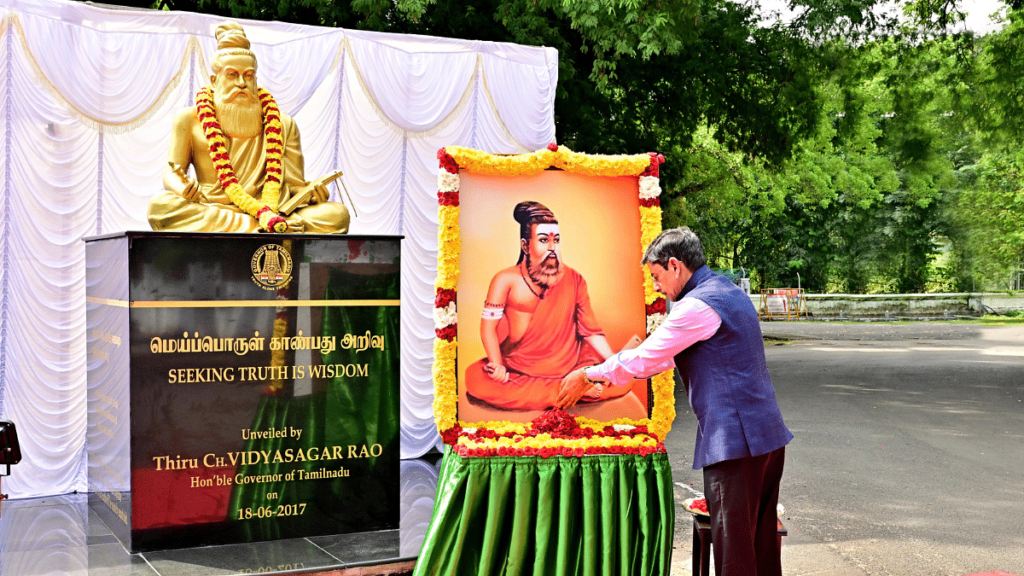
63	535
242	387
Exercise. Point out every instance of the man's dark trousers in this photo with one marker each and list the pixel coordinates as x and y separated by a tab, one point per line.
742	496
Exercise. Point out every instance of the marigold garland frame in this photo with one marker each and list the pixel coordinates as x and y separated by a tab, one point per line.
556	433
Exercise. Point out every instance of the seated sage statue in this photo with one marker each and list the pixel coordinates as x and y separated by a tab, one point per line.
247	158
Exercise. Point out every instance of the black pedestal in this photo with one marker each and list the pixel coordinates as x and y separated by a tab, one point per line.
242	387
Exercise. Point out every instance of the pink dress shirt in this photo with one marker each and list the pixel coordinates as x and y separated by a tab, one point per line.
689	321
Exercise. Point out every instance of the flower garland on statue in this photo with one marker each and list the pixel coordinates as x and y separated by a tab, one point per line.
572	435
265	209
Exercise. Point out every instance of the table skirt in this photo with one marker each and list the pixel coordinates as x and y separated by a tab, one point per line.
607	515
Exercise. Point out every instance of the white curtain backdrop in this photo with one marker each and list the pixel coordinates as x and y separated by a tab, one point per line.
87	96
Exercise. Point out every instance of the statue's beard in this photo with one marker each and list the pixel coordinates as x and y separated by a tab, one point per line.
545	273
241	117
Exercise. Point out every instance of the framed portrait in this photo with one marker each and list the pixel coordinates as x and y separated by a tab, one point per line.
539	274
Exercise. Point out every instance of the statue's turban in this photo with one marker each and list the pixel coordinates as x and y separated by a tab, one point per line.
231	35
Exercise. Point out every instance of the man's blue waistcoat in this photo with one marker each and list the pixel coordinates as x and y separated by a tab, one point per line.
727	378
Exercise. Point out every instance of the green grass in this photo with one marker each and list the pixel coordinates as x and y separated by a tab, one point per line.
1012	319
993	320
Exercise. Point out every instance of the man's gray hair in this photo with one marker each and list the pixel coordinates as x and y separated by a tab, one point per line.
679	243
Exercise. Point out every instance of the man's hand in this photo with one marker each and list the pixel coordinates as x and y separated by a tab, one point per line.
574	386
496	372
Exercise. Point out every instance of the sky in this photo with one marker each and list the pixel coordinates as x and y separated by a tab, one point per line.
978	12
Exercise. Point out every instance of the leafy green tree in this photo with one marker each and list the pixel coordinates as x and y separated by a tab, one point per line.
634	76
857	207
842	146
983	213
807	217
988	216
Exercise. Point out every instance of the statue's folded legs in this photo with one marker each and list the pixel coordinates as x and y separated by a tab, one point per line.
172	212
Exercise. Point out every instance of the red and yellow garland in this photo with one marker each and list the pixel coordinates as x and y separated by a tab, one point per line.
573	436
265	209
556	433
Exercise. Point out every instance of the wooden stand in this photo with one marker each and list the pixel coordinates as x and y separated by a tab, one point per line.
702	545
2	496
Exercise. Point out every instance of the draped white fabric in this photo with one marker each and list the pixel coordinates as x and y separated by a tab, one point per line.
87	96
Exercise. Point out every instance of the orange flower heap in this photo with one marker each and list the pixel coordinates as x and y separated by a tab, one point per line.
265	209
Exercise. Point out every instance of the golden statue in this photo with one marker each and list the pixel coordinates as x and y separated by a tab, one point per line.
247	158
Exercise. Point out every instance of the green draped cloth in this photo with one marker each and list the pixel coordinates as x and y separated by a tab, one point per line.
524	515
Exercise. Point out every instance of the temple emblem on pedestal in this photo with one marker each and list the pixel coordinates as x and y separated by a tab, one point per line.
271	267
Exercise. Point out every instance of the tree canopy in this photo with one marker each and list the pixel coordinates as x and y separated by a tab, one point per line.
866	151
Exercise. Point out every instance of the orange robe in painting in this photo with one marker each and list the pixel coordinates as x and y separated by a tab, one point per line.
552	346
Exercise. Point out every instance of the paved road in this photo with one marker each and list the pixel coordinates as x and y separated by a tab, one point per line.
909	451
